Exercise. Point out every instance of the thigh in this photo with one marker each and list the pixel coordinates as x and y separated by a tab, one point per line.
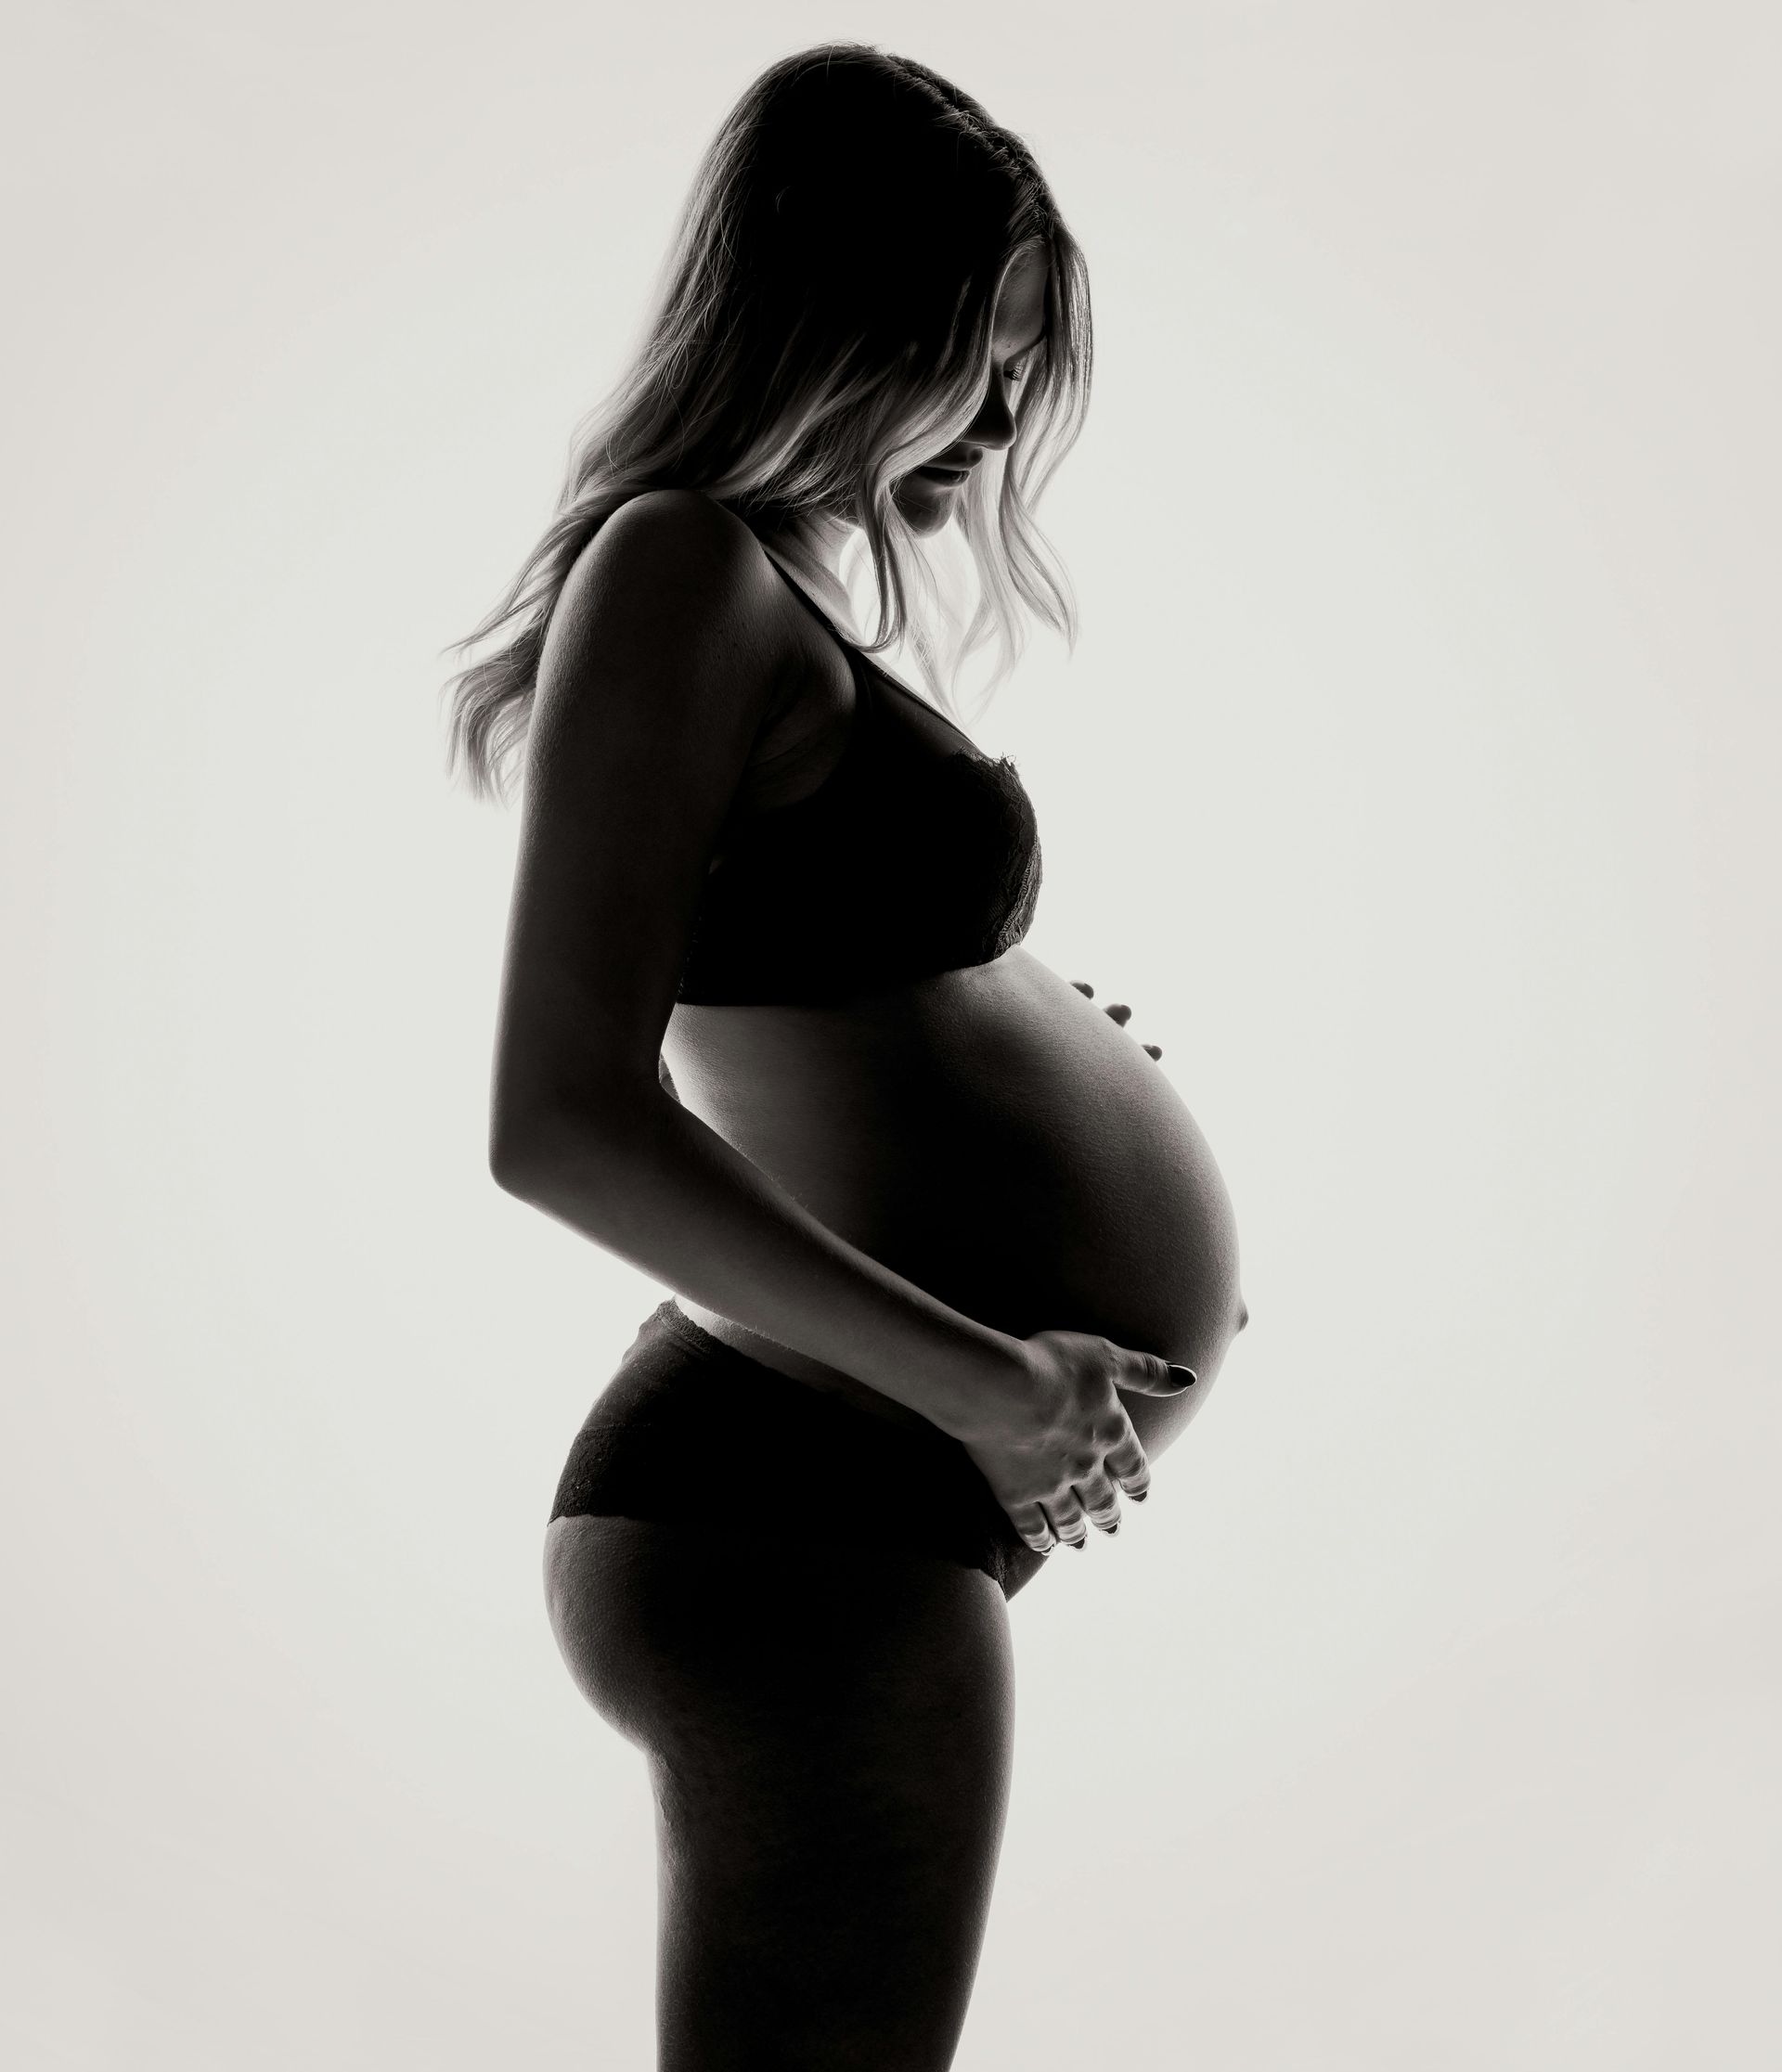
827	1732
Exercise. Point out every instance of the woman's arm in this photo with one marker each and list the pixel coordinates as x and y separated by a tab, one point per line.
662	662
646	1178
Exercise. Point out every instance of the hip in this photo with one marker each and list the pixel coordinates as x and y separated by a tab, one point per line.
691	1429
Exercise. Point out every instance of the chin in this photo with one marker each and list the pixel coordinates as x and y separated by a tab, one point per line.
925	517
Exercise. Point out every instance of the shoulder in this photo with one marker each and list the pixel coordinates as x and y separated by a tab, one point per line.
675	564
679	521
672	620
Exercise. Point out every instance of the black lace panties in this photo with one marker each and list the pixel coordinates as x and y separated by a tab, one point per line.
689	1428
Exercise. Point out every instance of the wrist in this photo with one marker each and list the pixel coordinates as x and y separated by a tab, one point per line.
978	1370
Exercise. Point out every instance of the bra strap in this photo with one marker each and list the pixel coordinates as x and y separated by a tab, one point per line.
811	606
866	691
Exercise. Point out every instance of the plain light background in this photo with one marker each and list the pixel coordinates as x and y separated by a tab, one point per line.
1414	778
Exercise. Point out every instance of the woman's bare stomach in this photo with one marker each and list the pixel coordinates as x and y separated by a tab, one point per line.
998	1140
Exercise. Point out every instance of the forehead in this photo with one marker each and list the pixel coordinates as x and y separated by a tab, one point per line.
1020	301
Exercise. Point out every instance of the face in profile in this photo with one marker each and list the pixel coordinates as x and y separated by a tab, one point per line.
927	494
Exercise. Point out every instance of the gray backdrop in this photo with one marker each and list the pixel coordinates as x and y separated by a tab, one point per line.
1414	778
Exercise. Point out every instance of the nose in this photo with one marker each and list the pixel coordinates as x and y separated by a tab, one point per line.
994	424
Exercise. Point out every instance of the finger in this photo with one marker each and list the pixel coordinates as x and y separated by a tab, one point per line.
1067	1520
1126	1464
1031	1522
1150	1049
1084	987
1119	1013
1101	1502
1146	1375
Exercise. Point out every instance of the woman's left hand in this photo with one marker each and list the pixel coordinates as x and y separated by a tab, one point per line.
1119	1013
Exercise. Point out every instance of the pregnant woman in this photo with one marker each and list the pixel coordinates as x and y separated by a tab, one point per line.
952	1262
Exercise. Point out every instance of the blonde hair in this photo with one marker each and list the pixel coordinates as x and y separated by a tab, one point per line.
822	325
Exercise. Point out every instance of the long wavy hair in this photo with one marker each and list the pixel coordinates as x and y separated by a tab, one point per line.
823	325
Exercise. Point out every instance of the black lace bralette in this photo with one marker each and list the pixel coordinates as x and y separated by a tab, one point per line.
916	855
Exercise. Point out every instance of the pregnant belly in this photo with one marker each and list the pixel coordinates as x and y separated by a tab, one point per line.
993	1136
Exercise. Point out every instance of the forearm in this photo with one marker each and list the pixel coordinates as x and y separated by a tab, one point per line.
656	1185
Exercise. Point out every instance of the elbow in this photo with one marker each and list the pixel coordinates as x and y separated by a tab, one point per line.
529	1160
513	1161
534	1153
525	1143
510	1169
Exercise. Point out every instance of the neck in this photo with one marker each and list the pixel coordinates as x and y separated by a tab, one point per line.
816	551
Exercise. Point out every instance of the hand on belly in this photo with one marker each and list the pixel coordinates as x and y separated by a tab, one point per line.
1058	1447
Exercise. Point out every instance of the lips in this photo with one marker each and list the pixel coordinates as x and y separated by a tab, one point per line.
949	475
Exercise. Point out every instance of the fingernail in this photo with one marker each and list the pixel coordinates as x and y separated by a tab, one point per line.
1183	1377
1080	1544
1155	1049
1112	1530
1138	1496
1084	987
1118	1011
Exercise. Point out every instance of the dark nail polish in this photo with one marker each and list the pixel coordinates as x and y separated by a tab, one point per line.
1185	1377
1155	1049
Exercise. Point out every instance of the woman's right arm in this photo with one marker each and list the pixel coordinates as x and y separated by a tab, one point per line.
662	664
